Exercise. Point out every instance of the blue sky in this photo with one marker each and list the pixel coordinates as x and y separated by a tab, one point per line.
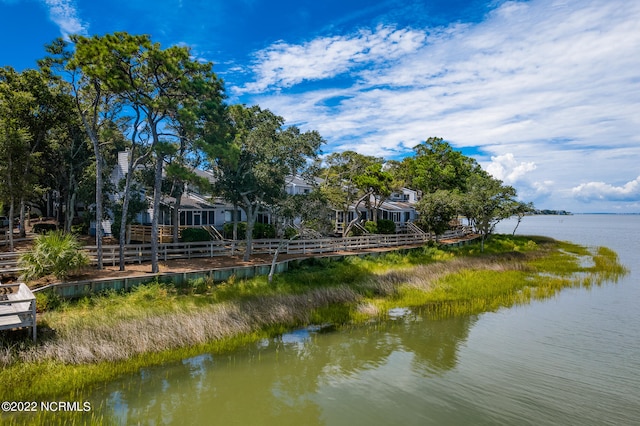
545	94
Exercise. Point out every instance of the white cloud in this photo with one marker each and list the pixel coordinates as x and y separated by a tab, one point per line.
65	15
553	83
283	65
630	191
507	169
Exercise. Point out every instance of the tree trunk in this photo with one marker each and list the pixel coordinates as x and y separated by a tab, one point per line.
252	214
175	214
356	219
22	231
11	213
282	244
70	213
234	218
125	211
70	202
157	193
99	208
517	224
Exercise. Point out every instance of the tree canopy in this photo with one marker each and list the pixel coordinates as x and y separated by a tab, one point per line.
251	169
63	126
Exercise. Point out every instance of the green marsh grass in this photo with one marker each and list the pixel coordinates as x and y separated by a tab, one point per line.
98	339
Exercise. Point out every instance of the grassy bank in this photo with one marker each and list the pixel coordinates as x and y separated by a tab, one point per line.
98	339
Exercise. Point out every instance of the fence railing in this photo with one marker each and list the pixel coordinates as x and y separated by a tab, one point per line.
9	263
17	307
139	253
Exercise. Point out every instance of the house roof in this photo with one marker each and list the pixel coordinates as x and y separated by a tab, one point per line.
191	201
396	206
299	181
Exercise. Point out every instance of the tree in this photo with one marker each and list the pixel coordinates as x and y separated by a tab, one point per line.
521	209
487	202
436	165
437	209
154	86
14	150
251	169
38	106
97	108
351	179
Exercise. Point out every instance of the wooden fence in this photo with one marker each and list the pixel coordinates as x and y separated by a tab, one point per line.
139	253
9	263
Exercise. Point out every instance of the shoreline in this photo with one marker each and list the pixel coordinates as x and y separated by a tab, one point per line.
219	268
362	298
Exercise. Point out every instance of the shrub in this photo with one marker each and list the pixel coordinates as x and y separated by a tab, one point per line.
43	228
47	301
190	235
386	226
290	233
242	230
54	253
371	227
260	230
264	230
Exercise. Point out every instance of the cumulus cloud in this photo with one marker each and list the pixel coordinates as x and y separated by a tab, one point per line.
590	191
552	82
65	15
507	169
526	73
283	65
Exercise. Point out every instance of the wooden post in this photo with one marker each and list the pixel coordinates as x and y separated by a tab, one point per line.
33	318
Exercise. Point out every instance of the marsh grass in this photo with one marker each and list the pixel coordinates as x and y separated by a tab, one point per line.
98	339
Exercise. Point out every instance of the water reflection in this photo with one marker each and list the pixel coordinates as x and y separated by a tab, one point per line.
294	377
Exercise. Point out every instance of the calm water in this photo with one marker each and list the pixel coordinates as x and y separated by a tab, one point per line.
571	360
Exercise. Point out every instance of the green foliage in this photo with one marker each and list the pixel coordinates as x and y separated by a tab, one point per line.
371	227
195	234
43	228
290	233
264	230
252	168
54	253
437	209
137	204
487	202
241	231
260	230
352	178
386	226
48	301
383	226
436	166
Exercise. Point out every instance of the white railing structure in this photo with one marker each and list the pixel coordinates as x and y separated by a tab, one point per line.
17	307
139	253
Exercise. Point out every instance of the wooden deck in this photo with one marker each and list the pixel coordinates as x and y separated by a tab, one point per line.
17	307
